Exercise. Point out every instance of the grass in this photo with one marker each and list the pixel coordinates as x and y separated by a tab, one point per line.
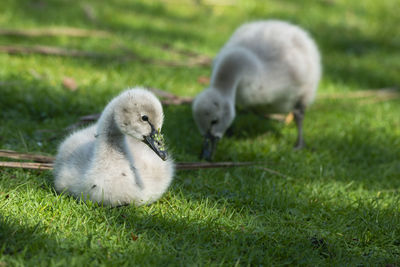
338	205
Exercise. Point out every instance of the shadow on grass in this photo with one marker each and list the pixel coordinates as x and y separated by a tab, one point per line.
116	16
362	155
13	238
282	226
160	240
352	58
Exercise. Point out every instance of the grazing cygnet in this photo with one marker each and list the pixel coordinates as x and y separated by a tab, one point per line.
121	159
268	66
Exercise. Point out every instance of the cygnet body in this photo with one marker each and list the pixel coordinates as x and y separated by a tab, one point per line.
268	66
117	161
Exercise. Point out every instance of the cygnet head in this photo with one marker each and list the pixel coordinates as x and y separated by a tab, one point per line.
213	114
138	113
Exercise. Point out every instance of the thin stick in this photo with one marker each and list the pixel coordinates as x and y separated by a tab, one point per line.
71	32
179	165
34	157
45	163
378	99
77	32
58	51
383	92
27	165
209	165
48	50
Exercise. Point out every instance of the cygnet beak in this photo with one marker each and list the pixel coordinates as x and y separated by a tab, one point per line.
209	146
156	142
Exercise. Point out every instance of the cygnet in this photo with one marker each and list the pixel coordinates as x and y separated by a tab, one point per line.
267	66
121	159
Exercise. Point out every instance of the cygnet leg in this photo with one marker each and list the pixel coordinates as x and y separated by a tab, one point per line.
298	113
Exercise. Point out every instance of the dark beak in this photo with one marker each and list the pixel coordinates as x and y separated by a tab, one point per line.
209	146
156	143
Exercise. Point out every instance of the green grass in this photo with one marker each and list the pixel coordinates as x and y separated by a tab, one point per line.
338	204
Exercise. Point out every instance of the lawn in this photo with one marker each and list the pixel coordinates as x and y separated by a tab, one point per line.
335	203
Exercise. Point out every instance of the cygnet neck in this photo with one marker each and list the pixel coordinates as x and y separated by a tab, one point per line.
107	131
113	141
230	68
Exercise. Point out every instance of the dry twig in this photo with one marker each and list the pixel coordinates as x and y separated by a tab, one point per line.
211	165
179	165
77	32
48	50
24	156
27	165
194	58
58	51
52	32
46	163
382	93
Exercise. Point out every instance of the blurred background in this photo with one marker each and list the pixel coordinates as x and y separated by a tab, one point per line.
61	59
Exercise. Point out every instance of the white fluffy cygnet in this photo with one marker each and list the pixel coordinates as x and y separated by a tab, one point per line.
121	159
269	66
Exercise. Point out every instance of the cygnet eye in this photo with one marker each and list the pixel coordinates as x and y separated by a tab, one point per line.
145	118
